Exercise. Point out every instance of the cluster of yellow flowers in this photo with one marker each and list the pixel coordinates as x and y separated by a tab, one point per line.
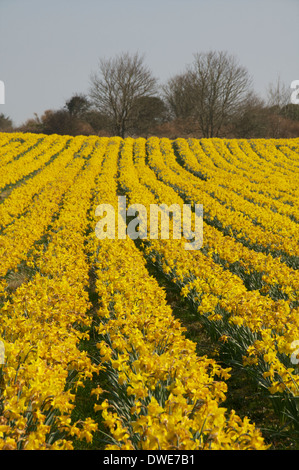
34	157
243	283
17	238
273	191
22	196
236	217
14	146
272	271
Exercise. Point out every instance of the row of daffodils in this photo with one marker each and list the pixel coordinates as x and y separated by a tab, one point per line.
243	284
162	396
43	320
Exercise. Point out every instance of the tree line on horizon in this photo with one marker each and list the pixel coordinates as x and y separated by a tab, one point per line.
212	97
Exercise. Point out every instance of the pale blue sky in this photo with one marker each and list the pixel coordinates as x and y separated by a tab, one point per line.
48	49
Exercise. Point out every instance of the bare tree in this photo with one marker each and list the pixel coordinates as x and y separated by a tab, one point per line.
278	94
212	90
120	82
221	86
278	98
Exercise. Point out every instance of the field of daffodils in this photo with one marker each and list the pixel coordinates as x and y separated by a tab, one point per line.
78	309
